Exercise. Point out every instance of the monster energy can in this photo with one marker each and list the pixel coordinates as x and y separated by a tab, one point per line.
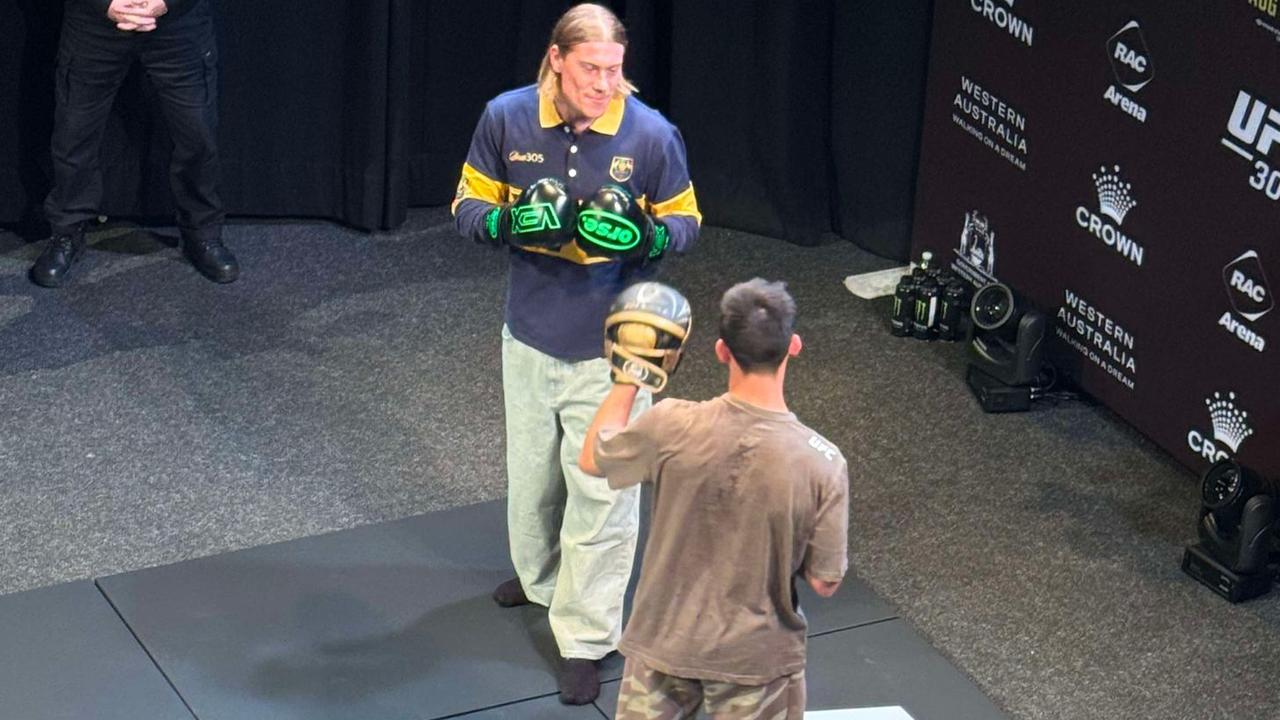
924	325
904	307
954	300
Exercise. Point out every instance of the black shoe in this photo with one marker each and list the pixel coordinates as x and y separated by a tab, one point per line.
579	682
211	258
65	248
510	594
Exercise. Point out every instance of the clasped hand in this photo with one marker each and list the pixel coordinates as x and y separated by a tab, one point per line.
136	15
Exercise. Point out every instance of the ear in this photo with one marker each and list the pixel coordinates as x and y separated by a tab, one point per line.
795	347
722	352
557	61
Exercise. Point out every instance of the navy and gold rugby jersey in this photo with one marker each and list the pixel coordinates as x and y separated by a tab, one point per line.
557	300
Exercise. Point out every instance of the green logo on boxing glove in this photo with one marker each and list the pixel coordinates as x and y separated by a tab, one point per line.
536	217
660	240
607	230
491	220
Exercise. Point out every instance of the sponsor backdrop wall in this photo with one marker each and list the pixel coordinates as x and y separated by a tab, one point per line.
1118	163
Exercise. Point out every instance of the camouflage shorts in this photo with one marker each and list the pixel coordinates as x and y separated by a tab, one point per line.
646	694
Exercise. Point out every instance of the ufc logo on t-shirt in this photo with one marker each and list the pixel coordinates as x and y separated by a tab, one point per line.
821	446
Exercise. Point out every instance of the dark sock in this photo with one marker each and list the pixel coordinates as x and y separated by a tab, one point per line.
510	594
579	681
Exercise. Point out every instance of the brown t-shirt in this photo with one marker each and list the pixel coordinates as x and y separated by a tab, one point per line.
743	499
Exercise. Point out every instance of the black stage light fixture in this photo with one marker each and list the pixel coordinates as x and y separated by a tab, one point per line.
1006	349
1237	532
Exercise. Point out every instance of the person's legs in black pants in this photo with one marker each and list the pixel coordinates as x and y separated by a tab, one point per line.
93	58
181	60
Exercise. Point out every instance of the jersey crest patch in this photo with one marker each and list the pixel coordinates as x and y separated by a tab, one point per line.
621	167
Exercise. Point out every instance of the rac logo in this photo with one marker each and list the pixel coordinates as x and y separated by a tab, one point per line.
1247	286
1130	59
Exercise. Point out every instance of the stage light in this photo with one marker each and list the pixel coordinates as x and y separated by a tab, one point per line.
1006	349
1237	524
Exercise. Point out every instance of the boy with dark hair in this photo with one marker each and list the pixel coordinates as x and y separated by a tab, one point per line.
746	498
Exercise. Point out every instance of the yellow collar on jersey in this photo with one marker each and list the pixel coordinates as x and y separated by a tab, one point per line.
606	124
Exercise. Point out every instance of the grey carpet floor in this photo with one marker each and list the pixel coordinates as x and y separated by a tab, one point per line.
148	416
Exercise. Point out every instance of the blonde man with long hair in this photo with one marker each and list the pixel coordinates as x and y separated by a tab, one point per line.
586	189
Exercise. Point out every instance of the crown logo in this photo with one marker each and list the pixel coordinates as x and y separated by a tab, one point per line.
1229	422
1114	199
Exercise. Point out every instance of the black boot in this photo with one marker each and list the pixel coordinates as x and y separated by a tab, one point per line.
579	681
65	247
211	258
510	594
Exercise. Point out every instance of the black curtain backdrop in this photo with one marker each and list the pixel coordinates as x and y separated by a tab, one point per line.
801	119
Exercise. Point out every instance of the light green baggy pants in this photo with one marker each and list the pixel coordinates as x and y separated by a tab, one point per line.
573	539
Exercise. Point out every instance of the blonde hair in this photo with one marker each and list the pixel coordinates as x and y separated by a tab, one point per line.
587	22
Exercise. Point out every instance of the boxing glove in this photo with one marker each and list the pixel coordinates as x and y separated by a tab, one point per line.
543	216
612	224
